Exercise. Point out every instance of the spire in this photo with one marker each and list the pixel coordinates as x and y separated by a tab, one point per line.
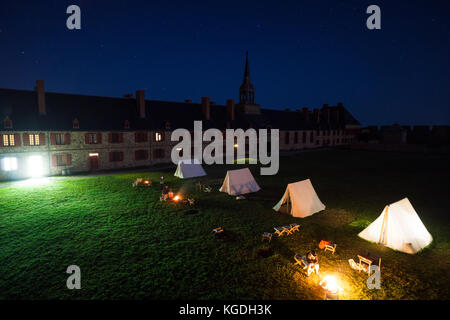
247	69
246	90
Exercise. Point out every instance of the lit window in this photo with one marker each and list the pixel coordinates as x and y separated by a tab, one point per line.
158	136
9	164
8	140
34	139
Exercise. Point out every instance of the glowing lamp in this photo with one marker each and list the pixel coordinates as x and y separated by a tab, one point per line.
177	197
236	145
35	166
146	182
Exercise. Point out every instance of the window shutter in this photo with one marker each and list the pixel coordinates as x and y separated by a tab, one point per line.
121	156
145	154
154	153
145	135
1	140
99	138
136	137
121	137
54	161
67	139
109	137
42	139
110	157
86	138
26	139
136	155
53	138
69	159
17	141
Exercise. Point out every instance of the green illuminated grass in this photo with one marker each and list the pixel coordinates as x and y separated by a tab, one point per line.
130	245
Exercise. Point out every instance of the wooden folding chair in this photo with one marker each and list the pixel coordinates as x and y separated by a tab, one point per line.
279	231
266	236
330	247
299	260
368	261
294	227
288	229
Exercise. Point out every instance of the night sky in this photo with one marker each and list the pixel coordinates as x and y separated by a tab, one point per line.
302	53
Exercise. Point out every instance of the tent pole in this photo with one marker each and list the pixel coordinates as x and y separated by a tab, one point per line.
384	225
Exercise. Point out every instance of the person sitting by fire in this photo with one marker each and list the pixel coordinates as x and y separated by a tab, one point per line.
165	192
312	261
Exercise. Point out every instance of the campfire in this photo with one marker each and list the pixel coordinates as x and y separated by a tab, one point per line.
176	198
331	287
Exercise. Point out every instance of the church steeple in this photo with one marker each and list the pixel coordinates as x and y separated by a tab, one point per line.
246	90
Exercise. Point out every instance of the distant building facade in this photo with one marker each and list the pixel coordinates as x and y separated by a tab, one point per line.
55	133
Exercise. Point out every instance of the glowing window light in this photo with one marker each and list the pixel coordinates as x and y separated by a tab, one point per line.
8	140
158	136
94	154
9	164
34	139
35	166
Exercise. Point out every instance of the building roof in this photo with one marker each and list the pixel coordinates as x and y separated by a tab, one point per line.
109	113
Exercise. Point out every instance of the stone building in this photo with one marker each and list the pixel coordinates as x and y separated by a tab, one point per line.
48	133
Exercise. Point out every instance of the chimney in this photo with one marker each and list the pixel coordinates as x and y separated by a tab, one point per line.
41	96
128	96
230	109
213	103
140	101
206	110
317	115
188	101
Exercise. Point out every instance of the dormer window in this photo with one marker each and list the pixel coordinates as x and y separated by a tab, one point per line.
76	124
126	124
7	123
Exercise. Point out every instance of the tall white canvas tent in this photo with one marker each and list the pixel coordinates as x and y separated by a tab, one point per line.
189	169
239	182
398	227
300	200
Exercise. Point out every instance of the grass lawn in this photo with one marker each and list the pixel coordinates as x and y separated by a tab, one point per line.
128	244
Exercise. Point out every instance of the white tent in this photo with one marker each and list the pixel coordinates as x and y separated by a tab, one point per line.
189	169
398	227
239	182
300	200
